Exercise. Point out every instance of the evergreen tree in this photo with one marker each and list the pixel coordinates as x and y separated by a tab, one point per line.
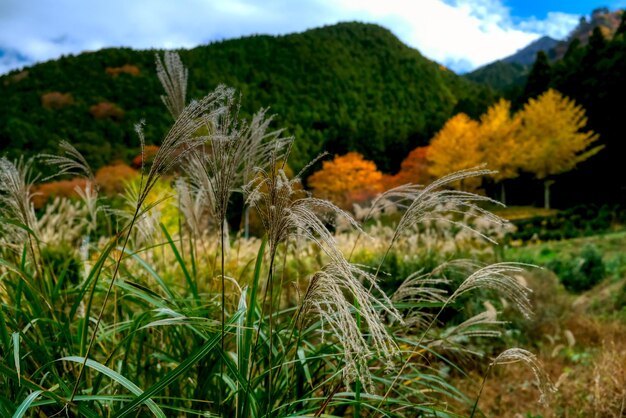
621	30
539	77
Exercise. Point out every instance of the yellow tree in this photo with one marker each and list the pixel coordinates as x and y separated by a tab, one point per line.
552	137
456	147
499	144
347	179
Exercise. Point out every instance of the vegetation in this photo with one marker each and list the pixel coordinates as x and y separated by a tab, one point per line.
347	87
296	323
586	70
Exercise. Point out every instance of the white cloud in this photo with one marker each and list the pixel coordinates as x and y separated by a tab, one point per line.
462	34
557	25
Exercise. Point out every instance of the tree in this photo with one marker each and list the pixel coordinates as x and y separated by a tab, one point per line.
539	78
347	179
498	141
552	138
414	169
621	30
456	147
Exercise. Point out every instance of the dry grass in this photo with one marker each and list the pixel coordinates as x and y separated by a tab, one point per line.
583	353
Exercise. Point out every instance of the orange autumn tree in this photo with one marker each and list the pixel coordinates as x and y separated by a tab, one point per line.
347	179
456	147
553	138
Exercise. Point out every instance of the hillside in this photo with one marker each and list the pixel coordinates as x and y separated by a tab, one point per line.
350	86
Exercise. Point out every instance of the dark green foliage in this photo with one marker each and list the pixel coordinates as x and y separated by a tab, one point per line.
577	221
621	30
539	78
63	265
500	75
347	87
593	77
581	272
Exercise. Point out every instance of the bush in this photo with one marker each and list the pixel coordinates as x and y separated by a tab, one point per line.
582	272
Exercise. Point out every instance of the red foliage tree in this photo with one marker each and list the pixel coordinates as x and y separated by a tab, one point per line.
124	69
107	110
63	188
56	100
414	169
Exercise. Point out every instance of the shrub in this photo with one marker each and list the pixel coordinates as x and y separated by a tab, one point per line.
582	272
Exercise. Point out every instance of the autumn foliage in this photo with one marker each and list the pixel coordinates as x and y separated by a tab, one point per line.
552	135
56	100
347	179
111	179
545	138
107	110
45	192
124	69
148	154
456	147
414	169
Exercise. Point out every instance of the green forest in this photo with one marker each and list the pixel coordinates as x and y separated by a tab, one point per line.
347	87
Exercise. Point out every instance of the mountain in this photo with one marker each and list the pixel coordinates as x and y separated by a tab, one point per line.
602	18
508	74
346	87
526	56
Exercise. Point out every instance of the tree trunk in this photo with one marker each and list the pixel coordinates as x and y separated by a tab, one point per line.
502	193
546	193
246	222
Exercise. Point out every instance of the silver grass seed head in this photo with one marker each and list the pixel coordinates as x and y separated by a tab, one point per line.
71	161
501	277
183	137
334	295
16	181
434	201
173	76
514	355
286	210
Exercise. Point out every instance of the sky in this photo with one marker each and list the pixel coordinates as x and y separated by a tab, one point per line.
460	34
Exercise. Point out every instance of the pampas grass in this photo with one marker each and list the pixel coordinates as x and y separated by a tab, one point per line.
172	341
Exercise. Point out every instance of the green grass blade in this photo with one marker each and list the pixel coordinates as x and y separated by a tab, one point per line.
4	335
119	379
152	273
142	293
246	347
181	262
182	368
16	355
21	410
252	306
240	329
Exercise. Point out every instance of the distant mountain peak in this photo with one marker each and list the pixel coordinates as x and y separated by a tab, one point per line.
527	55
